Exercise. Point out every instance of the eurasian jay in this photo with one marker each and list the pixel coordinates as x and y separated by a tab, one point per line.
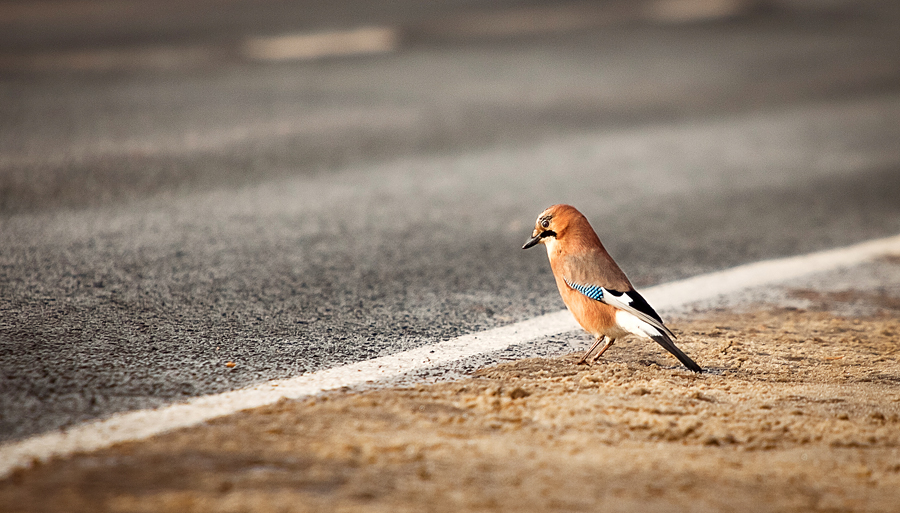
593	287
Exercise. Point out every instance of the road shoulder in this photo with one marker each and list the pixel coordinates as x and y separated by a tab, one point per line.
799	411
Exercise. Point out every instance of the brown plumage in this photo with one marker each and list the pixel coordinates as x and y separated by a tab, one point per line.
593	287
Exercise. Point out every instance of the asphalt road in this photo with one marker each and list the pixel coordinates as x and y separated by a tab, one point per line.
158	221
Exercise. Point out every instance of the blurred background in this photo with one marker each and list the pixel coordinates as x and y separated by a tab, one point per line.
111	100
293	185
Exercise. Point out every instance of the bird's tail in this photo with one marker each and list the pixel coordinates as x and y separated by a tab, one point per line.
670	346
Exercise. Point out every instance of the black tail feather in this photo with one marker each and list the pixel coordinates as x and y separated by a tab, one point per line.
670	346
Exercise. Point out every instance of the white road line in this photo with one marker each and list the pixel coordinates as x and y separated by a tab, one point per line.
689	11
722	283
317	45
137	425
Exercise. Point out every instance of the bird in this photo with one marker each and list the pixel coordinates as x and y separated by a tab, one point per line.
594	288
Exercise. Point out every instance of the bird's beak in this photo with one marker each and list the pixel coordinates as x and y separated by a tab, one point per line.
533	241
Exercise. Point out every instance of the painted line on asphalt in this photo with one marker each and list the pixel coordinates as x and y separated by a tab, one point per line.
318	45
354	41
691	11
137	425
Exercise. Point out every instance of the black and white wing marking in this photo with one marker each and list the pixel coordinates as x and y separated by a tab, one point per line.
630	301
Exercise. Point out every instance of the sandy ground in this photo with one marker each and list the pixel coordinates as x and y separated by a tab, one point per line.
800	411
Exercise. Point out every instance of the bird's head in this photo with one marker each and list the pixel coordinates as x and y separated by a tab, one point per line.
552	224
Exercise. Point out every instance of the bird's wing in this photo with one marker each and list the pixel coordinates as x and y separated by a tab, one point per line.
629	301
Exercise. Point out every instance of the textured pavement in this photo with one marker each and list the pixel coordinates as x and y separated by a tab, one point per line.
155	225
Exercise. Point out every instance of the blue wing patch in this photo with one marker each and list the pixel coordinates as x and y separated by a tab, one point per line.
623	301
594	292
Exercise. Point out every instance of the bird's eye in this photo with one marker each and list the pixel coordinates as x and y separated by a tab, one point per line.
545	223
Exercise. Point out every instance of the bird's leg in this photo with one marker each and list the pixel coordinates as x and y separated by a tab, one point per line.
609	343
594	346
